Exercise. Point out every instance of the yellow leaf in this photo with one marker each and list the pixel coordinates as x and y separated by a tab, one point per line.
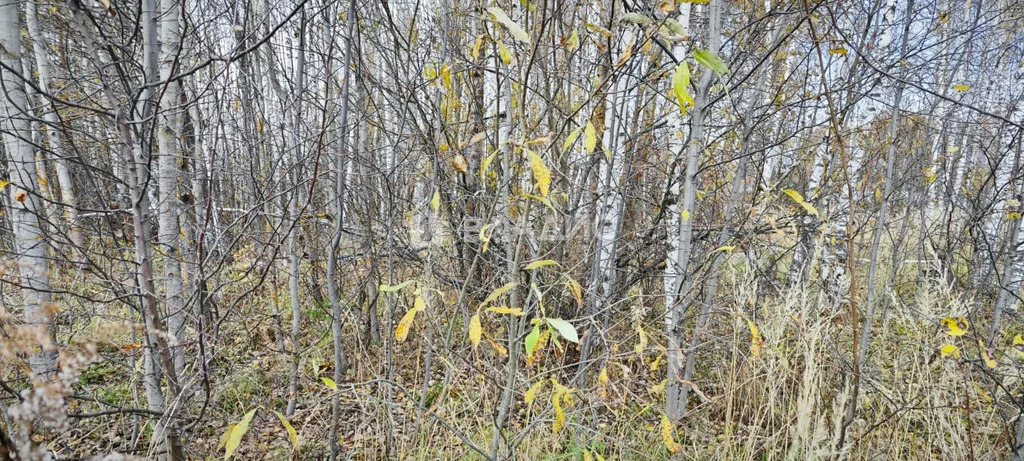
641	344
961	87
990	362
486	162
659	388
949	350
624	57
225	436
955	327
475	330
3	184
541	173
685	215
499	15
981	392
476	46
799	199
404	325
504	53
506	310
575	289
602	384
839	51
531	393
500	291
725	248
599	29
435	201
930	176
667	436
501	350
539	140
544	200
559	421
657	361
541	263
292	435
237	431
756	341
485	237
446	76
1018	346
540	340
590	137
329	383
681	86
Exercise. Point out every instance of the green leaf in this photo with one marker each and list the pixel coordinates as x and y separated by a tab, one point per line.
499	15
711	61
681	86
330	383
531	340
565	329
393	288
674	26
636	18
573	135
235	434
292	435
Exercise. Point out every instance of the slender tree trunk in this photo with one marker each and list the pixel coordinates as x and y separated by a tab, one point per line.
674	390
339	201
880	221
293	213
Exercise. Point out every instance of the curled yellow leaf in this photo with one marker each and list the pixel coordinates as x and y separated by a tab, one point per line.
541	263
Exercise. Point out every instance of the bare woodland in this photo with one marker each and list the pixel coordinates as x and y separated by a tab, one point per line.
535	229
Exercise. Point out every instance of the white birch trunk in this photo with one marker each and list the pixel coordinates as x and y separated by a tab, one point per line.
67	191
169	177
29	241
